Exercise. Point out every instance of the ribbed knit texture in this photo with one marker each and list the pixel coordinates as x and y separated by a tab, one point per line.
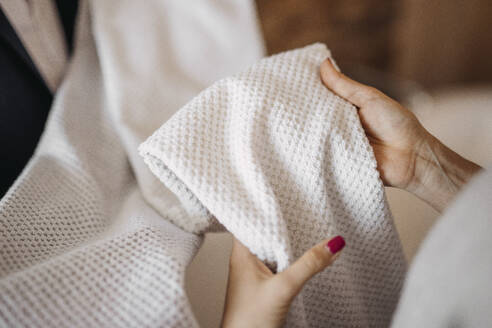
283	163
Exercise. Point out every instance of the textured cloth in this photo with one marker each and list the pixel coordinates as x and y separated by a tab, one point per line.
282	162
80	243
448	284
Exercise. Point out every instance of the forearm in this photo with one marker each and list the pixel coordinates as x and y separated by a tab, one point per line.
440	173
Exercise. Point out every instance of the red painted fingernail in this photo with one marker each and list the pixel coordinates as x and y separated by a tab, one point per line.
336	244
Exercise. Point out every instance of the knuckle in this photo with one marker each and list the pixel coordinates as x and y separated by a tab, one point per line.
337	80
314	260
366	94
371	93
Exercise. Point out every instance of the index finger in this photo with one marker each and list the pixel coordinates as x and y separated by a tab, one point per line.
352	91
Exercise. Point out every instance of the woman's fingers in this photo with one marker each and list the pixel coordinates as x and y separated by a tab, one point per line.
289	282
355	92
312	262
240	252
245	261
241	255
256	296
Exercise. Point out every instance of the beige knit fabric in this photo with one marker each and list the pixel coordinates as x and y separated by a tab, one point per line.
86	238
86	233
283	163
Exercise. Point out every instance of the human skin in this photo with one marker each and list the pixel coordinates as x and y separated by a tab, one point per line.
408	157
256	297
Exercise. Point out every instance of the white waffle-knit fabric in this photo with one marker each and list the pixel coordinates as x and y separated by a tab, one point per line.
283	163
86	238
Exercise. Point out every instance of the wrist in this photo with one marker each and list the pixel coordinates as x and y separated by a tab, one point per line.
439	173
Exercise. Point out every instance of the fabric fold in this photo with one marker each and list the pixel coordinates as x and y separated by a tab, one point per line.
281	162
87	233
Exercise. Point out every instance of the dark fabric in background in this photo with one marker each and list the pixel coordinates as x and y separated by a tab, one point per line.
25	100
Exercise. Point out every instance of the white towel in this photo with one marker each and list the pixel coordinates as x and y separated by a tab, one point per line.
80	244
281	162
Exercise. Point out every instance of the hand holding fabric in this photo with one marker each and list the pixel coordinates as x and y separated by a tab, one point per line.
408	156
256	297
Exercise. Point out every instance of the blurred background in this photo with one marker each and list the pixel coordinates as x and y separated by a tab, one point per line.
434	43
435	56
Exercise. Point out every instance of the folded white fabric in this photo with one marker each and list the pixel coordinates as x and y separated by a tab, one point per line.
282	162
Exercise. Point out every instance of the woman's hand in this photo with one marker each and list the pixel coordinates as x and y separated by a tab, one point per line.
256	297
408	156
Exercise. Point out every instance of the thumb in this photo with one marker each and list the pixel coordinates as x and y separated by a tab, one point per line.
312	262
352	91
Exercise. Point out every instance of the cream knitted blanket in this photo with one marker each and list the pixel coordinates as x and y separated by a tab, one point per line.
282	163
85	232
90	238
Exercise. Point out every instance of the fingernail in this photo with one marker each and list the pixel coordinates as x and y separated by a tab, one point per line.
336	244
